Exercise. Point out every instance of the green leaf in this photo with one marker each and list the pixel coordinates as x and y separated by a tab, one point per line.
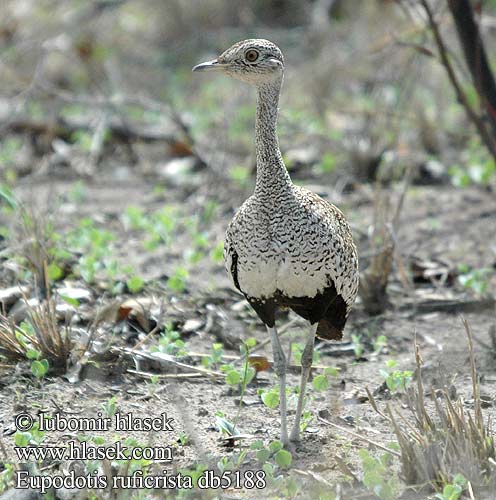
263	455
251	342
55	272
320	383
233	377
257	445
135	284
270	399
70	300
275	446
250	375
332	371
39	368
22	438
32	353
283	458
7	195
225	426
268	468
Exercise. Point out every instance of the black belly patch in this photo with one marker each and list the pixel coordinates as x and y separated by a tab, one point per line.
327	308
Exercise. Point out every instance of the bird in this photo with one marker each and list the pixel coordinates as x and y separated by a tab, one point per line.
286	247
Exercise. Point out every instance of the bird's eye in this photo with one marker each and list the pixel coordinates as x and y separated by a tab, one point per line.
251	55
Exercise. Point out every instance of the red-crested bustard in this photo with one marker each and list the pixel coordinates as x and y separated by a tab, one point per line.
286	246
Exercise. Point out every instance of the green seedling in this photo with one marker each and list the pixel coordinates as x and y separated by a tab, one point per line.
453	491
32	437
379	476
358	347
215	357
109	408
170	342
474	279
274	454
396	380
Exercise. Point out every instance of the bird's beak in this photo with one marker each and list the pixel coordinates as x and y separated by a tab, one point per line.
213	65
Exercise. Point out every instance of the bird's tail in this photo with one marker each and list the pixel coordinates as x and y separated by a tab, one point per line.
326	330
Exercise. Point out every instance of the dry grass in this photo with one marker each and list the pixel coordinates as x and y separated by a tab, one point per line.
43	334
32	241
448	439
374	281
11	348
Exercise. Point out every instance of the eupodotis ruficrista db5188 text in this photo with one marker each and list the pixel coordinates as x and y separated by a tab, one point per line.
286	246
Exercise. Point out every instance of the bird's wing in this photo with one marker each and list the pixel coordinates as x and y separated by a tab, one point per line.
231	259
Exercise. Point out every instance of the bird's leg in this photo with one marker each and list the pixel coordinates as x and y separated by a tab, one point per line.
280	369
306	365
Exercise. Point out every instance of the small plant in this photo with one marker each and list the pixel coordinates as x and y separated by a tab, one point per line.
225	426
217	253
32	437
274	452
171	342
177	282
95	247
232	463
270	398
135	284
449	440
110	407
378	475
7	476
244	375
183	439
297	351
306	419
396	380
210	211
480	167
158	227
380	343
358	347
39	339
39	368
452	491
474	279
215	357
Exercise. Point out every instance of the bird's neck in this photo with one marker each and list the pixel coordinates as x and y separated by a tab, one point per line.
271	172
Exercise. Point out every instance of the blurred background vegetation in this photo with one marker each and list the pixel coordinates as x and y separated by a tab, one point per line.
358	92
98	93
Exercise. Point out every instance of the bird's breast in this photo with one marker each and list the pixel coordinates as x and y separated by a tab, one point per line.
284	273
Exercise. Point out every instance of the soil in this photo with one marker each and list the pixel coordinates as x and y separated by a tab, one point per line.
438	224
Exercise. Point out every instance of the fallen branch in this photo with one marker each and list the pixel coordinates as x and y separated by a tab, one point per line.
166	361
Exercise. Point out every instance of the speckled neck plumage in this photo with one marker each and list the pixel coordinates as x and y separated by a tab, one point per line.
272	174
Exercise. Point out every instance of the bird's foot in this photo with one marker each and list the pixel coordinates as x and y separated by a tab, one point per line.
295	437
288	445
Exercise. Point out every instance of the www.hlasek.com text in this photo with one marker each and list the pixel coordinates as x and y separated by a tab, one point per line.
85	451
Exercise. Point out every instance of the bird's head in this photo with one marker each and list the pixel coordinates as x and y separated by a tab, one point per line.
254	61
